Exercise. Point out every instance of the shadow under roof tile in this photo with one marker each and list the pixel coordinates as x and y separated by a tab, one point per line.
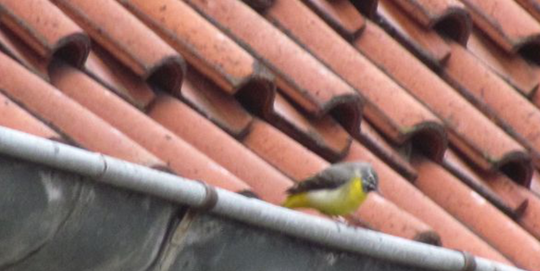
513	112
323	136
385	216
13	116
68	117
398	190
468	175
18	50
129	40
109	72
267	182
474	211
424	42
367	7
447	16
207	49
216	105
466	126
341	15
181	157
388	106
299	75
378	145
510	67
507	24
46	30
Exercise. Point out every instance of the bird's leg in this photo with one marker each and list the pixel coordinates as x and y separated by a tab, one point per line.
341	219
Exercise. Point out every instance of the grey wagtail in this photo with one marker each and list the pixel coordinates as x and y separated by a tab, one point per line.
336	191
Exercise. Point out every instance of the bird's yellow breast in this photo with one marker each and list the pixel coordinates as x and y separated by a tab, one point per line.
341	201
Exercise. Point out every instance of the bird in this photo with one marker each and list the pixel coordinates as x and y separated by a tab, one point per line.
336	191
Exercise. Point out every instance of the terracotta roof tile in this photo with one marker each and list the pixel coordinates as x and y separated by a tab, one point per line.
46	30
532	6
299	75
493	96
388	107
265	180
140	49
466	126
474	211
535	183
512	68
180	156
425	42
14	117
18	50
70	118
453	234
447	16
506	22
216	105
341	15
105	69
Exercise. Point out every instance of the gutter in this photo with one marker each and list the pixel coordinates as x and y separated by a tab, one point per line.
145	180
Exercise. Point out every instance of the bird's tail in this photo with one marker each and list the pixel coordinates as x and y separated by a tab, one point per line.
296	201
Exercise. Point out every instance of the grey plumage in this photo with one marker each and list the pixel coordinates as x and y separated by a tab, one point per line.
337	175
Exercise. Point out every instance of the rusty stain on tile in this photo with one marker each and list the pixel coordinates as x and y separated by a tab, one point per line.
216	105
300	76
378	145
497	100
341	15
468	175
68	117
181	157
449	17
266	181
423	42
385	216
507	24
44	28
140	49
388	106
398	190
478	214
18	50
15	117
115	76
466	126
510	67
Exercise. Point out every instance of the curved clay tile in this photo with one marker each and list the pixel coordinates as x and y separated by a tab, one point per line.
512	68
129	40
389	107
267	182
532	6
181	157
300	76
398	190
426	43
14	117
496	99
206	48
20	51
108	71
507	24
475	212
46	30
68	117
447	16
341	15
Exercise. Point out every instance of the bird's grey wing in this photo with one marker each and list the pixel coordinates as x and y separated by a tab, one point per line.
332	177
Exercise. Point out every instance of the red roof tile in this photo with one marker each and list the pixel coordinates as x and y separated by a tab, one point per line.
341	15
45	29
140	49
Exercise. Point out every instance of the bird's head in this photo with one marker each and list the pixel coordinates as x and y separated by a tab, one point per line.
370	181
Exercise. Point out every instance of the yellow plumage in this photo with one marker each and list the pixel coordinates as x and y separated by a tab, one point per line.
333	202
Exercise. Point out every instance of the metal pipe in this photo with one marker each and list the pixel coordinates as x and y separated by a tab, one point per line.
167	186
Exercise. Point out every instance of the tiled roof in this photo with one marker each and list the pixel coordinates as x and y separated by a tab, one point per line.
440	96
